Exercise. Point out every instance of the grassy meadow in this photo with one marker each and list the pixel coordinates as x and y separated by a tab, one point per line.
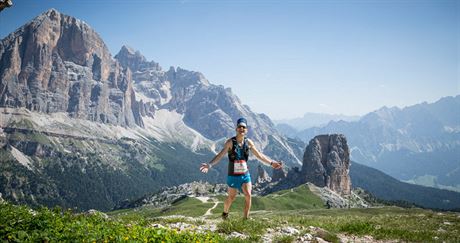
297	210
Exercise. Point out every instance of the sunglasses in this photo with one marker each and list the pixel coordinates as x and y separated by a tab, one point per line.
242	127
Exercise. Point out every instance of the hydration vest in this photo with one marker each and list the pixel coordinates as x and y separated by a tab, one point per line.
238	157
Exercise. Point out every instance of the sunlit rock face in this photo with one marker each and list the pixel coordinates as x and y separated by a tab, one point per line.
326	163
57	63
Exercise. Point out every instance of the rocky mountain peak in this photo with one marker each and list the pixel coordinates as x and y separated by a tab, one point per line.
183	77
129	50
128	57
57	63
50	12
326	163
209	109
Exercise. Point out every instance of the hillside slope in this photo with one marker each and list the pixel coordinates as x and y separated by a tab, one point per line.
388	188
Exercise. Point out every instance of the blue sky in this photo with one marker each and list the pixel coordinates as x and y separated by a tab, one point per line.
286	58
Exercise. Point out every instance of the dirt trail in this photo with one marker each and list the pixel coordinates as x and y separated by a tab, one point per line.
209	210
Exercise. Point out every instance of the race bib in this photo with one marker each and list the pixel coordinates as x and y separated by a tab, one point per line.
240	167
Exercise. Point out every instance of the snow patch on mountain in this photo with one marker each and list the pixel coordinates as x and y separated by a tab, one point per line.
61	123
21	158
288	148
140	96
166	88
168	126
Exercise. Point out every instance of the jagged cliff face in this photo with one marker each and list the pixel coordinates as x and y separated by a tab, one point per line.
209	109
57	63
326	163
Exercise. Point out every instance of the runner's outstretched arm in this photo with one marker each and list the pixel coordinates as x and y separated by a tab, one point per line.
262	157
206	166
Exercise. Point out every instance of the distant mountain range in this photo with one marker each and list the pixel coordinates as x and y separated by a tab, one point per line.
418	144
310	120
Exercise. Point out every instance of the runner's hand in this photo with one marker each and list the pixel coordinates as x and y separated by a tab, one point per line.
277	165
204	168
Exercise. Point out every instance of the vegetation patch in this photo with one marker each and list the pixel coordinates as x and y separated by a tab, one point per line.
18	223
188	206
21	224
23	123
249	227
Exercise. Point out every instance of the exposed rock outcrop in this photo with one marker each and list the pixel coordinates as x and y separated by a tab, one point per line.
279	174
326	163
262	176
333	199
168	195
57	63
135	60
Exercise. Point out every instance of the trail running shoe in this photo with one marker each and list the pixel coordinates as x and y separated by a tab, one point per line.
224	215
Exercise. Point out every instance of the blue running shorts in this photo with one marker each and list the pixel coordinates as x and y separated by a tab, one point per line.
237	181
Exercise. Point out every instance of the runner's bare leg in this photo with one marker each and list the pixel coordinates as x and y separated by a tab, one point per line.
247	190
230	198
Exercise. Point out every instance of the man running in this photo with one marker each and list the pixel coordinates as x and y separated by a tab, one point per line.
238	177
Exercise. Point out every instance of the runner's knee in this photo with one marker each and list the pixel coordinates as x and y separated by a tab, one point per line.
247	190
247	194
231	197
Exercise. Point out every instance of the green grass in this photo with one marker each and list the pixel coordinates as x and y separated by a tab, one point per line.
40	138
273	212
30	137
249	227
387	223
284	239
300	208
20	224
189	206
381	223
5	155
23	123
297	198
293	199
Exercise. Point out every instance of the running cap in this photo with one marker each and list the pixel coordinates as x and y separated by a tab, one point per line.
241	122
